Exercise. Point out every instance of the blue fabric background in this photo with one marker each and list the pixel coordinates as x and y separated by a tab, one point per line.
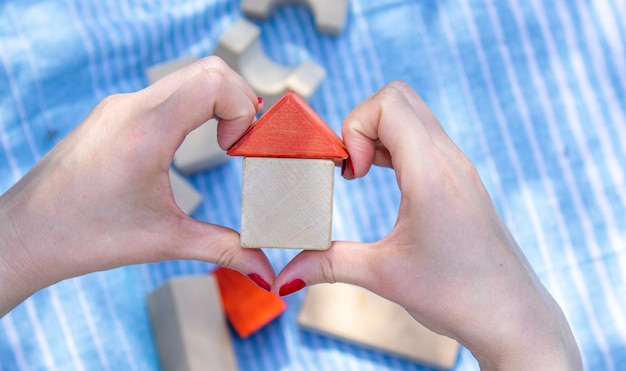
533	91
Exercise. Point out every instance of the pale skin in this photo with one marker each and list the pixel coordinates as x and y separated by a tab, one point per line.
101	199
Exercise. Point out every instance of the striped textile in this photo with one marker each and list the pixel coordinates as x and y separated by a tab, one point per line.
533	91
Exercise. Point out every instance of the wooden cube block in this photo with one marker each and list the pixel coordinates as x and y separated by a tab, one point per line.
200	151
186	196
357	315
189	326
287	203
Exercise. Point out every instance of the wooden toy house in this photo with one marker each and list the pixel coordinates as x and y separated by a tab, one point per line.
288	176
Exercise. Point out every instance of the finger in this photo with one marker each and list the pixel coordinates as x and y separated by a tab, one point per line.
211	93
348	262
427	117
389	117
215	244
166	86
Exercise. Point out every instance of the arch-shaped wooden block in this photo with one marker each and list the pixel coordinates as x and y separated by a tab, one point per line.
330	15
241	49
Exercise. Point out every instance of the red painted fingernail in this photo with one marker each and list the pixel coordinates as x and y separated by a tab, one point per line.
260	281
343	167
351	165
291	287
260	100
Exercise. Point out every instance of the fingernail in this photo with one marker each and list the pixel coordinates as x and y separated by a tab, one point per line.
291	287
260	100
351	165
260	281
343	167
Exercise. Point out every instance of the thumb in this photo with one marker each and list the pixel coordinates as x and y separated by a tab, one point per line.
349	262
220	245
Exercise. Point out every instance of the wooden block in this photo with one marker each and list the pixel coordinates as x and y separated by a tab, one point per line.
158	71
240	48
360	316
247	306
200	151
287	203
330	15
189	327
186	196
290	128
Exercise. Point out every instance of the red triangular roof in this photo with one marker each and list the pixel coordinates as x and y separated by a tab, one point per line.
290	128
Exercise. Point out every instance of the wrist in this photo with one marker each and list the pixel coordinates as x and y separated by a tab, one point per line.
531	340
20	273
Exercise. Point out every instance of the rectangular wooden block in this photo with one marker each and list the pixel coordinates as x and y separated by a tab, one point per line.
357	315
287	203
189	326
200	151
186	196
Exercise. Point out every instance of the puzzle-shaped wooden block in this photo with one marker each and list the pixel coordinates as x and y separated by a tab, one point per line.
288	177
330	15
241	49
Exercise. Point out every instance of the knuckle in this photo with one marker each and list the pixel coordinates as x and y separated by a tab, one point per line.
327	269
214	62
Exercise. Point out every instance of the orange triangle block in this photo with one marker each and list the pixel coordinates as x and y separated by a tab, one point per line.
290	128
247	306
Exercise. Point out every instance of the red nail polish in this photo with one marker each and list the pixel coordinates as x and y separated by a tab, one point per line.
291	287
260	100
351	165
260	281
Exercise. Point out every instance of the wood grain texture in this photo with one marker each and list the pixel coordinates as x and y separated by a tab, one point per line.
330	15
200	150
287	203
290	128
189	327
354	314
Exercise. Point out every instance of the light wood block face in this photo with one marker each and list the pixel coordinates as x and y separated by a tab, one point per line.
241	49
287	203
330	15
185	195
200	151
189	326
357	315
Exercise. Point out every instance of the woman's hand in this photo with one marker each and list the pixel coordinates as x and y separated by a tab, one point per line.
449	261
102	198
